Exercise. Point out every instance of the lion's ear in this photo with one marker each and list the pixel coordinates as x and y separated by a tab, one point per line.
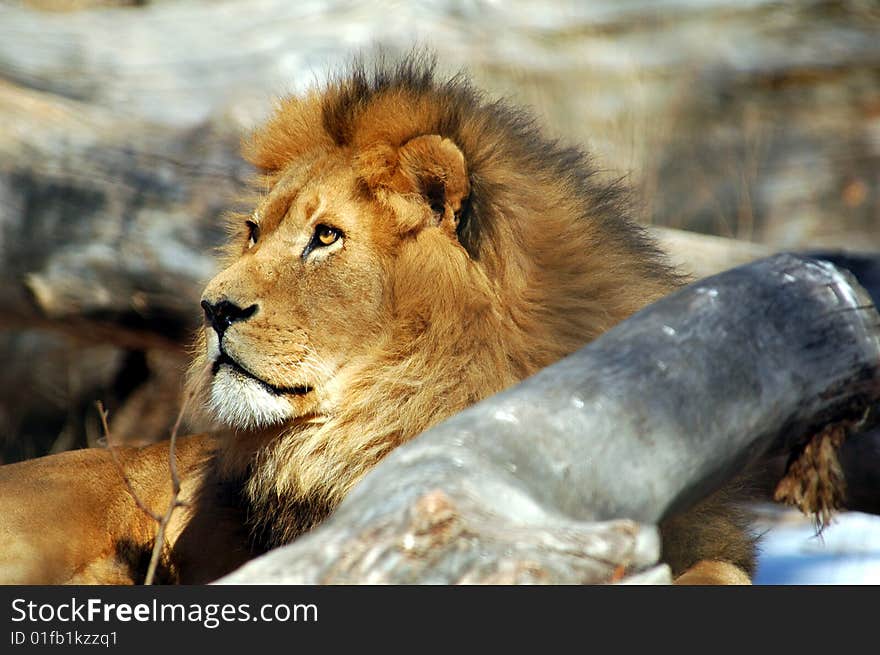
430	166
435	169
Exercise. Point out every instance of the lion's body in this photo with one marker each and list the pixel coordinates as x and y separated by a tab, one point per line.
415	248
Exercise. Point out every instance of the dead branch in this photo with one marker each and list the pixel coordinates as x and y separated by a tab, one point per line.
162	520
120	468
175	502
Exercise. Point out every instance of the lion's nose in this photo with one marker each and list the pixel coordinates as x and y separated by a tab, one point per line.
222	314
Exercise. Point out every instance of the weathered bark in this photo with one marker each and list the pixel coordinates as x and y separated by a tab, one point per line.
864	266
648	419
859	456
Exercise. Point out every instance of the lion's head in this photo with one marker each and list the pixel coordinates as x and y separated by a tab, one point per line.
414	249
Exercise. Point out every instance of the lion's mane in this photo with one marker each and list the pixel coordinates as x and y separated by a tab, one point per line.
557	262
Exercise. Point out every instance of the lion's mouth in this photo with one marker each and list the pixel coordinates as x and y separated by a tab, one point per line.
225	359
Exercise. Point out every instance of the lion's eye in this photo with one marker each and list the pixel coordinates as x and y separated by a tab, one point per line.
326	235
253	232
323	237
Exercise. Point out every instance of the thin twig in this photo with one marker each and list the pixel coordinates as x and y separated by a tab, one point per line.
111	447
161	520
159	543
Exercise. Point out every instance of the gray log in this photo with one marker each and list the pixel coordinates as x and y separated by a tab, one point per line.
648	419
864	266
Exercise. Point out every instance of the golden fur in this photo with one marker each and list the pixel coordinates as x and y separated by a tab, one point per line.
465	252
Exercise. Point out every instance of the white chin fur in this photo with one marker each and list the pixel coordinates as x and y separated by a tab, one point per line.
243	403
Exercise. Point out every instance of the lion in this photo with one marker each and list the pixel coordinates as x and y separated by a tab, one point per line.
414	247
